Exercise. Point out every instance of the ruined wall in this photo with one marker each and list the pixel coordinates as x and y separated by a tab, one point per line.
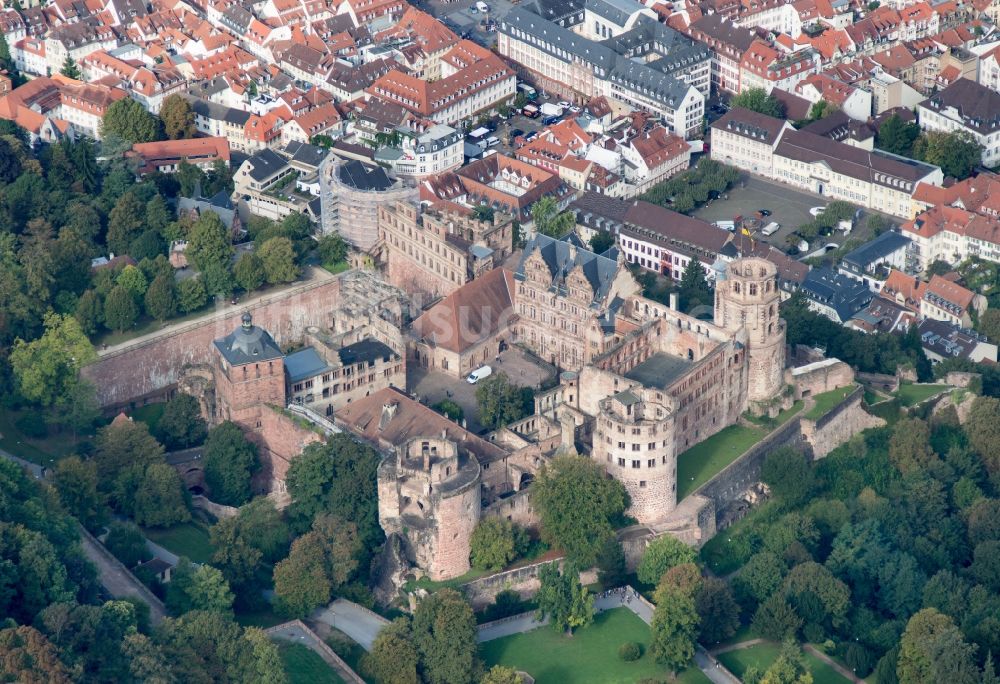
727	490
402	272
149	368
279	439
960	379
844	421
516	508
524	580
824	376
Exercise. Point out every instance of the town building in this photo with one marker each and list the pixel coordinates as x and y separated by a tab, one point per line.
835	295
747	140
433	253
952	235
728	43
968	107
421	154
945	300
671	81
872	262
165	156
943	341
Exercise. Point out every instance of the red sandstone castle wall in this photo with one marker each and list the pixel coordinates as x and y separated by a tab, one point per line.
149	368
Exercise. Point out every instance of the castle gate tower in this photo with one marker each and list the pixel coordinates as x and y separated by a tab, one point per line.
748	298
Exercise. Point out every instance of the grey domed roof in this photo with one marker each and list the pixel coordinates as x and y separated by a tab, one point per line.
248	344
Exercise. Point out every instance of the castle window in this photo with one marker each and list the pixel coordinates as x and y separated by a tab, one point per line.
635	447
636	464
651	463
621	445
651	446
621	462
642	484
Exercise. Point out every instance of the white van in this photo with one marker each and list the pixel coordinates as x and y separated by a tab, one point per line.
771	228
492	141
478	374
482	7
726	225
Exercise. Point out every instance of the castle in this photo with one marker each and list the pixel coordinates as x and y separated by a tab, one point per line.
641	383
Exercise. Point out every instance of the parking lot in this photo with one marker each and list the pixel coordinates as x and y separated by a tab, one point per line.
460	17
430	387
788	207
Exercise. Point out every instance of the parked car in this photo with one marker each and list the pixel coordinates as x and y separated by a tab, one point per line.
564	104
478	374
549	120
514	132
531	136
816	211
575	109
764	212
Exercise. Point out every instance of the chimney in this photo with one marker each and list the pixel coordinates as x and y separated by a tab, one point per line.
673	301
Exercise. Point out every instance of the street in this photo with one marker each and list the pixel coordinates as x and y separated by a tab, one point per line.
355	621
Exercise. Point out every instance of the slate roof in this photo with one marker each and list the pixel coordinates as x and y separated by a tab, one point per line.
248	344
218	112
364	176
846	296
305	363
750	124
265	164
306	154
365	351
872	166
562	257
977	105
870	252
617	11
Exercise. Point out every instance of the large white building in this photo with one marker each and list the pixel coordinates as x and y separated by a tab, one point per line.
969	107
772	148
649	67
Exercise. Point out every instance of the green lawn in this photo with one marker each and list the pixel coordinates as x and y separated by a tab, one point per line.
46	451
910	394
589	656
700	463
762	655
304	666
187	539
149	414
425	583
338	267
826	401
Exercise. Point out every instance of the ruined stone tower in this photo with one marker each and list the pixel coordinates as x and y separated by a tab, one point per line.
633	440
748	299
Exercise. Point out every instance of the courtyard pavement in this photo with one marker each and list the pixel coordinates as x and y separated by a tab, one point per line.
432	386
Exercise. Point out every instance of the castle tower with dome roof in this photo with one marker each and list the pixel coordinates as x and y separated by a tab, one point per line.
249	373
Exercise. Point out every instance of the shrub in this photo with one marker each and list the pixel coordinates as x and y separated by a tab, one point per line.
860	660
32	425
630	651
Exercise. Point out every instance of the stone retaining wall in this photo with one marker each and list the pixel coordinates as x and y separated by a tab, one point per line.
149	369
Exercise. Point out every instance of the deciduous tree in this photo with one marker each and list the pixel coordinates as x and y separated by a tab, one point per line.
897	136
46	369
161	298
444	632
556	494
933	650
191	295
160	501
177	117
76	482
495	543
663	553
278	258
120	310
181	425
561	598
718	614
208	244
501	402
127	543
230	462
130	121
249	271
200	587
674	627
757	100
983	430
393	658
549	220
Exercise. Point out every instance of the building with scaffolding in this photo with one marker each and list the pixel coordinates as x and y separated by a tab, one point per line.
351	192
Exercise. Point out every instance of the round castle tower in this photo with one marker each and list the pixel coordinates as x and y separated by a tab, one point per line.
634	441
748	298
